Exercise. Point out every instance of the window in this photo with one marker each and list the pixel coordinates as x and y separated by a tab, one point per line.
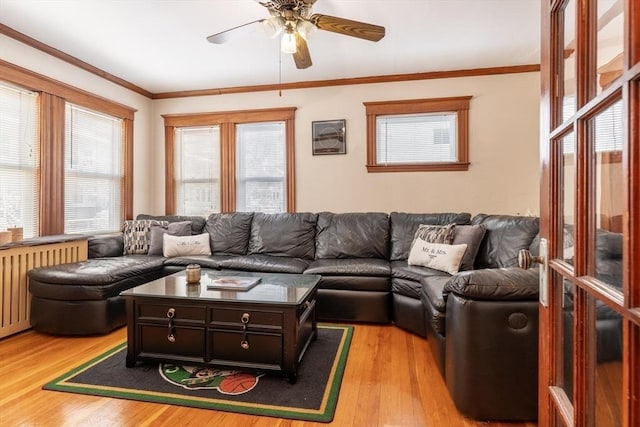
68	161
237	161
417	135
260	168
93	171
19	159
197	170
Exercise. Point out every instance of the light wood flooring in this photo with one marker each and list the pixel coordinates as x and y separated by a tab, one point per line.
390	380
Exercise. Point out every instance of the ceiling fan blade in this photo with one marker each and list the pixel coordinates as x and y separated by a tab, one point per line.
301	55
348	27
226	35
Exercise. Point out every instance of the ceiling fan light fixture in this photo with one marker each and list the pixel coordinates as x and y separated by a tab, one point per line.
288	41
273	26
305	29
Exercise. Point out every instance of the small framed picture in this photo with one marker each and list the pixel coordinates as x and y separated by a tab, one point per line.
329	137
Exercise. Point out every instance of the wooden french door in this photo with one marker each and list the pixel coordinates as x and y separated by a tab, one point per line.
590	213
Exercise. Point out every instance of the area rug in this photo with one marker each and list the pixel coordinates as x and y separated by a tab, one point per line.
312	398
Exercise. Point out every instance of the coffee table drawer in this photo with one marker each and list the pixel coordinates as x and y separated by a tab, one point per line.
188	342
251	317
163	312
260	348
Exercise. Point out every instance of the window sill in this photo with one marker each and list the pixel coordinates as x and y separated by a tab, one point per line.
420	167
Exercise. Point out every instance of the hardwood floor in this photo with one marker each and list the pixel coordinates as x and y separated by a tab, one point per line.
390	380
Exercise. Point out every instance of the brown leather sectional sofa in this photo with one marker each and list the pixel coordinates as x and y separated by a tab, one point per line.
481	323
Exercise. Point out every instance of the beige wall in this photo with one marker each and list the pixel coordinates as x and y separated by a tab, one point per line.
32	59
503	141
503	146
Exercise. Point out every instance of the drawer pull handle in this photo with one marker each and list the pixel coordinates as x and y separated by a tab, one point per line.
171	336
245	318
244	343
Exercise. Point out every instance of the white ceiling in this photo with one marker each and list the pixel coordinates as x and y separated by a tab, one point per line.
161	46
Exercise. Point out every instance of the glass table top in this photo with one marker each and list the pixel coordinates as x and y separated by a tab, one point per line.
272	288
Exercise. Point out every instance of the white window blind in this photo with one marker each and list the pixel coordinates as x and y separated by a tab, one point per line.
197	170
261	167
93	167
19	159
608	131
416	138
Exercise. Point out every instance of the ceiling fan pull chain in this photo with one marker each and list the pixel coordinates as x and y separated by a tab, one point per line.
279	73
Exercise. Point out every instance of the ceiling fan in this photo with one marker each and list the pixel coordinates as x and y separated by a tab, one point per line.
294	21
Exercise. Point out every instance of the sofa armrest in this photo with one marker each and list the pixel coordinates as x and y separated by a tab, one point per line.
504	284
106	245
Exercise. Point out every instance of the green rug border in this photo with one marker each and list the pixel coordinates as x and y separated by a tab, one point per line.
326	412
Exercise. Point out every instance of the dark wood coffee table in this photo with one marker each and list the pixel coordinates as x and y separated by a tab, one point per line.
266	328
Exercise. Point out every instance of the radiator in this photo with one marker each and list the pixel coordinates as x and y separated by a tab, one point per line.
14	290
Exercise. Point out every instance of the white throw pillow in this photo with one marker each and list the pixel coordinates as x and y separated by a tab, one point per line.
436	255
186	245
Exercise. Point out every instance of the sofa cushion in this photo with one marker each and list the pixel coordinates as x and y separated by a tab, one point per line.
350	267
470	235
197	222
156	243
504	237
402	270
137	236
204	261
264	264
352	235
408	288
284	234
403	227
229	232
94	279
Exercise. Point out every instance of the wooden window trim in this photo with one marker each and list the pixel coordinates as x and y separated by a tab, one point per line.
227	120
53	97
459	105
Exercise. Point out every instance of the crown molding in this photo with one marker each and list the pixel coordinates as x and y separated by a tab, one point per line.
29	41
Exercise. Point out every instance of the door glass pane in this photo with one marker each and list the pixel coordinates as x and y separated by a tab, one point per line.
567	193
610	41
565	380
568	105
608	376
606	264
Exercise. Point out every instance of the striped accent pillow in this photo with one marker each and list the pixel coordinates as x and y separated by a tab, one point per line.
137	235
442	234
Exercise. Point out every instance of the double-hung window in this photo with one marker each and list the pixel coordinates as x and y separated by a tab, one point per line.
261	167
93	171
230	161
417	135
197	170
19	159
66	157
